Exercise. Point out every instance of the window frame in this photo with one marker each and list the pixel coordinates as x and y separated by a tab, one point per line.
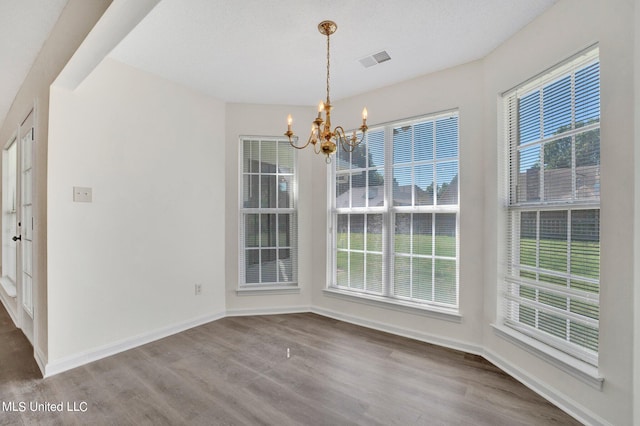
279	286
585	358
388	211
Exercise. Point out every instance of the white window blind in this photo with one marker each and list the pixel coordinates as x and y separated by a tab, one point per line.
268	228
395	212
552	280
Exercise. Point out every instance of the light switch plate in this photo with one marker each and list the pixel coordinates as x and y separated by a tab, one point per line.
82	194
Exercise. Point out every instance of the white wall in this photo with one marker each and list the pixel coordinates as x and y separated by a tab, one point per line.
125	265
636	308
76	20
262	120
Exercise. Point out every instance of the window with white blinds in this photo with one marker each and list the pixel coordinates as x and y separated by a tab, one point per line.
395	213
268	228
552	280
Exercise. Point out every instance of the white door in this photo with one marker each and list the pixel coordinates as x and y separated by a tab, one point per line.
25	224
18	226
9	278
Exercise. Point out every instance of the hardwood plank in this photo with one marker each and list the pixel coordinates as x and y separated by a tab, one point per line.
235	371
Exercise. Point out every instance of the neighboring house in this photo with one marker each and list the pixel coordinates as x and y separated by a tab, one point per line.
587	183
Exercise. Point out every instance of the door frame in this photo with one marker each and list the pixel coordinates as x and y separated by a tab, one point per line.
28	320
15	307
10	301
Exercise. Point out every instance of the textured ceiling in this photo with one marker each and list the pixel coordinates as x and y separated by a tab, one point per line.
270	51
24	26
259	51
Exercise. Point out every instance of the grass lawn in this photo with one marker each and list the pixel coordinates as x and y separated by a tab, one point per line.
585	261
415	276
580	259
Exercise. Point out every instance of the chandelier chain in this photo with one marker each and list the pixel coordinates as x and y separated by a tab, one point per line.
328	64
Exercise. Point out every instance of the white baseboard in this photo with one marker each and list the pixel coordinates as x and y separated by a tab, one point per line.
41	360
404	332
561	401
8	286
267	311
68	363
6	304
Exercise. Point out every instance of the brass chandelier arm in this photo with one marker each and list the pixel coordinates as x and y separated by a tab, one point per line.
340	136
348	143
296	146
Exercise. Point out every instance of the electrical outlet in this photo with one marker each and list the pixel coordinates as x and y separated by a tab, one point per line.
198	289
82	194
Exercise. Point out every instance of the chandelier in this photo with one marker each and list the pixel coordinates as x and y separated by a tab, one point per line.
323	139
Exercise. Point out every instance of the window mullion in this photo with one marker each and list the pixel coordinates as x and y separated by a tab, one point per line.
573	138
434	135
568	282
388	217
349	250
569	236
277	245
433	256
365	231
259	248
542	145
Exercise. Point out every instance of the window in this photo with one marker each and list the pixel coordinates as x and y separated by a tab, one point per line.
268	228
552	275
395	214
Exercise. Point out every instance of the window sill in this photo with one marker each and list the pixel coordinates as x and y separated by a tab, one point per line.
396	305
263	290
581	370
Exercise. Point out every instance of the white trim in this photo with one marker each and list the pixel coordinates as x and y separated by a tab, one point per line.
6	305
4	287
39	355
560	400
41	360
76	360
243	211
268	311
262	290
586	55
8	286
417	118
396	304
577	360
582	371
400	331
112	27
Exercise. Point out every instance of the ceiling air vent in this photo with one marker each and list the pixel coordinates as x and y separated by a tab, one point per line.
376	58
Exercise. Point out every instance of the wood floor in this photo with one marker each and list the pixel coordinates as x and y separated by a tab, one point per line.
235	371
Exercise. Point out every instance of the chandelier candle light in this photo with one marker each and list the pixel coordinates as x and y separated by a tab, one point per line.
323	139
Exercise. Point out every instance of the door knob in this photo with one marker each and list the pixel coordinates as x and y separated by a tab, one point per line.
19	237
